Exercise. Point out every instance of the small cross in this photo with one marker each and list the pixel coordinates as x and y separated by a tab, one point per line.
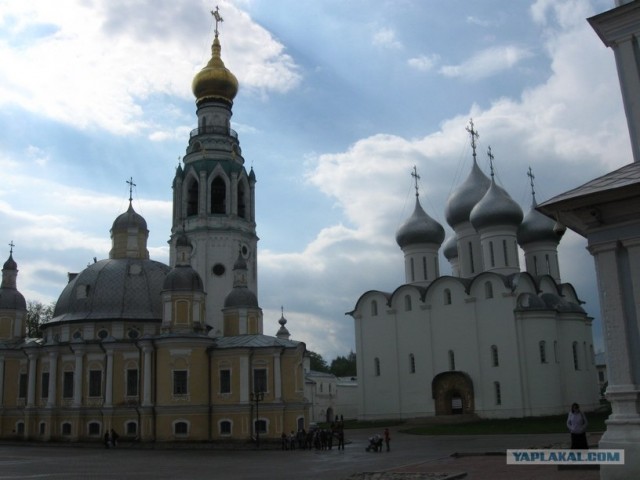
474	134
216	15
11	245
416	177
131	185
531	177
490	155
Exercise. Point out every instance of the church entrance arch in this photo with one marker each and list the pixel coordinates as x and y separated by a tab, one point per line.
452	393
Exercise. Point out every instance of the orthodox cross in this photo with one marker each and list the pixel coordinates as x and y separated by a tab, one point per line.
531	177
11	245
131	185
416	177
474	134
216	15
490	155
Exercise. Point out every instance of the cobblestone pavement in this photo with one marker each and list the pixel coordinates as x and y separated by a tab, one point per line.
411	458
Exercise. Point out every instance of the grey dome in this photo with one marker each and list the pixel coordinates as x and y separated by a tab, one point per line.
537	227
12	299
241	297
496	208
183	278
419	228
10	264
450	248
129	219
126	288
465	197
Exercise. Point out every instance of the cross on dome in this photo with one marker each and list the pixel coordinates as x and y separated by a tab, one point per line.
416	177
491	157
131	185
531	177
219	19
11	245
474	135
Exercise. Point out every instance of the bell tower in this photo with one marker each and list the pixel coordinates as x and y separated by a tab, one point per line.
213	194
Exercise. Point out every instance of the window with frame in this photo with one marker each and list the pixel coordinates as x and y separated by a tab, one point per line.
225	427
44	385
498	393
95	383
447	296
259	379
488	289
424	268
66	428
181	428
67	385
20	428
495	359
23	385
407	303
131	428
94	428
576	362
180	382
42	428
374	308
225	381
376	366
505	252
132	382
260	426
412	363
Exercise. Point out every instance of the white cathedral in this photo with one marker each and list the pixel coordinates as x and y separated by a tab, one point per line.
490	339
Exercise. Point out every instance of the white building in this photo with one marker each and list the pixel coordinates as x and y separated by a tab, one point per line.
491	339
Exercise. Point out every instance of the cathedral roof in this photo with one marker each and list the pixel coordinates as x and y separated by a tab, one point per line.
215	81
419	228
254	341
496	208
466	196
123	288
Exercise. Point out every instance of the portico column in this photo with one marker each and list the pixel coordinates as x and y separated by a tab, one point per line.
108	394
618	277
77	379
53	376
31	385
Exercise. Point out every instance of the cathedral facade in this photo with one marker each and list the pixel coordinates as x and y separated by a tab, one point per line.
490	339
157	352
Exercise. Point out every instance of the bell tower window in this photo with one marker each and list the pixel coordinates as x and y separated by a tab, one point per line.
242	208
192	197
218	196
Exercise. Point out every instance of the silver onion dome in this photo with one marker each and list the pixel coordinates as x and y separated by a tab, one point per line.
496	208
419	228
466	196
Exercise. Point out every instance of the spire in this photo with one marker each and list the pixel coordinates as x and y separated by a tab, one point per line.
10	270
129	233
282	331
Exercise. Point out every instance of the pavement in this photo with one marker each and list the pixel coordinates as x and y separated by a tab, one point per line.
412	457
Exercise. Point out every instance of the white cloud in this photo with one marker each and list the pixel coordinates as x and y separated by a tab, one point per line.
386	37
424	63
487	62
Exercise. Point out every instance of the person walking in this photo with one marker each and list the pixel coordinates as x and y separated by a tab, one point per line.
577	425
387	439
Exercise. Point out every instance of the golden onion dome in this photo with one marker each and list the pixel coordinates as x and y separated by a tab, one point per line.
215	80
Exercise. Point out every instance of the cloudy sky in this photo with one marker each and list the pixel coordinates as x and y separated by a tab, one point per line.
338	101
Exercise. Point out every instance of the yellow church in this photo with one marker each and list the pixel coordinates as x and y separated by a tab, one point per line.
162	353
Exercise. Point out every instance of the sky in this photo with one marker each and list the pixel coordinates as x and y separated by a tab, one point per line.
338	101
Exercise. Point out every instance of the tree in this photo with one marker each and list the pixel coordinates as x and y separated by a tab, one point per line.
344	366
318	363
37	315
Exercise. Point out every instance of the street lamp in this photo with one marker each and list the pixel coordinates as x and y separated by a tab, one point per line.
257	397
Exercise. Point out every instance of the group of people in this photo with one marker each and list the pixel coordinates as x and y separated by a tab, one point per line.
315	438
375	442
111	438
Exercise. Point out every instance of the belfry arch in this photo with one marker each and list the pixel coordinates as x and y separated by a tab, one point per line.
453	393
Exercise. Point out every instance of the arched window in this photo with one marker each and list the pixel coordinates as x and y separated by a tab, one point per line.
94	428
498	393
260	426
374	308
131	428
376	366
576	363
471	258
492	255
66	428
424	268
542	347
193	192
218	196
495	360
412	363
20	428
447	296
407	303
225	427
505	252
43	428
181	428
242	207
413	270
452	360
488	289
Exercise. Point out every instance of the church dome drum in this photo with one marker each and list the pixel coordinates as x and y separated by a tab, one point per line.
183	278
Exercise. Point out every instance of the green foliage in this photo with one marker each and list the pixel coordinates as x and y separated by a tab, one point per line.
344	366
37	315
318	363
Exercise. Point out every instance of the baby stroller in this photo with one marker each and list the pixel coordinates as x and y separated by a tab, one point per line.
375	444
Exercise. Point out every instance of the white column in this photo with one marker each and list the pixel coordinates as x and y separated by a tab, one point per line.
77	379
108	393
53	379
31	385
146	387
